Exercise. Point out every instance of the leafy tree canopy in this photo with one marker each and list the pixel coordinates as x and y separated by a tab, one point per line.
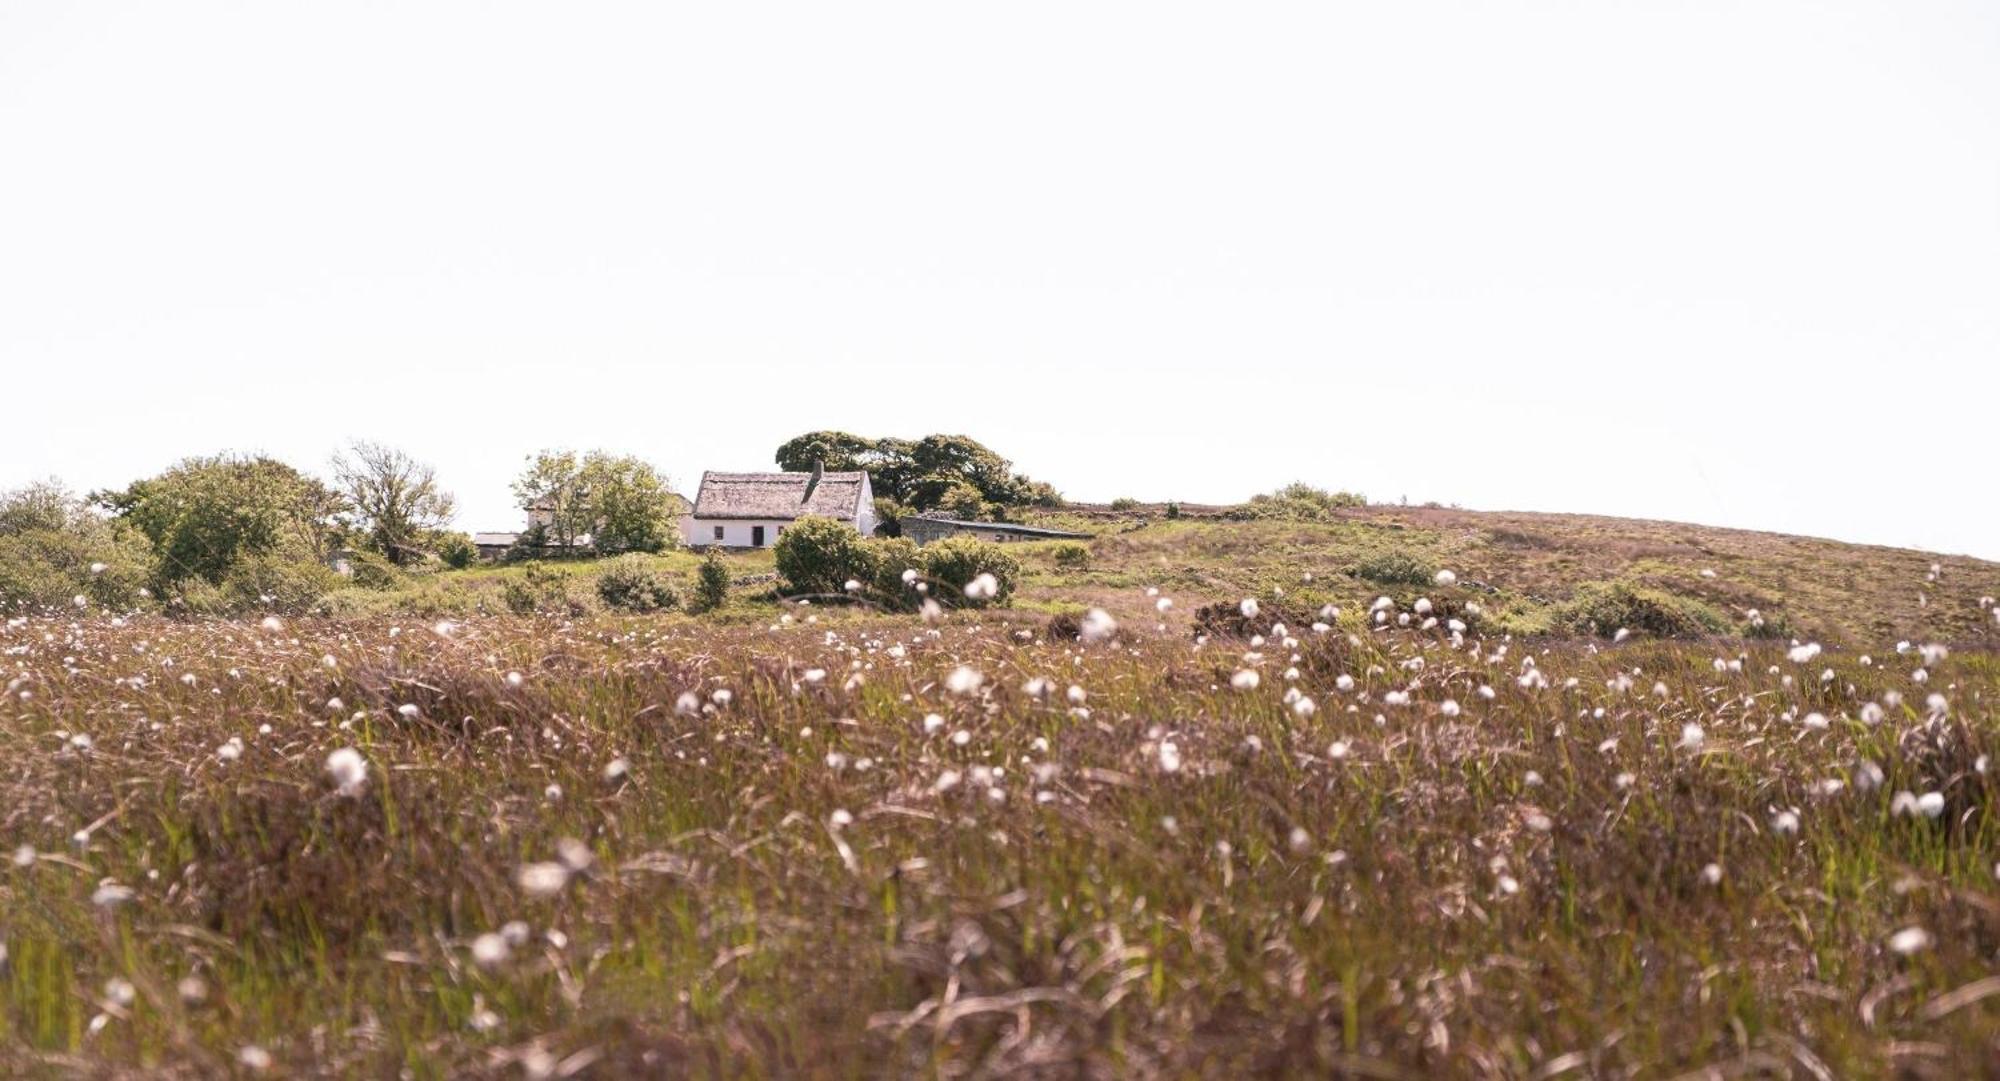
204	516
622	503
952	473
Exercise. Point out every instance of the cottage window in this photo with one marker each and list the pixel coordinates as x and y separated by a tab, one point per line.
718	532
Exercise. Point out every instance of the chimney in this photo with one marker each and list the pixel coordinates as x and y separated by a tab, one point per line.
819	471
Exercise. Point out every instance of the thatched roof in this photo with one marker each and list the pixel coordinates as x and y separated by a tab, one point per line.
781	496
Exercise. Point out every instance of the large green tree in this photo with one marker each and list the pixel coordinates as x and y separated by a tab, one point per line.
954	473
207	516
622	503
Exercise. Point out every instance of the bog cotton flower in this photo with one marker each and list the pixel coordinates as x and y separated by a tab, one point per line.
964	680
984	587
1245	680
1909	940
542	879
1097	626
491	950
348	770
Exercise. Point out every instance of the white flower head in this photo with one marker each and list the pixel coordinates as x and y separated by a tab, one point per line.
348	770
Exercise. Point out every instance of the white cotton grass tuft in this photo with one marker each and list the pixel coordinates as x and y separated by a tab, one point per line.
1445	578
1245	680
1909	940
348	770
983	587
1692	737
964	680
542	879
1248	606
491	950
1097	626
1803	654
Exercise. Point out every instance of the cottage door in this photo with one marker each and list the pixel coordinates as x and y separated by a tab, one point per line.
756	536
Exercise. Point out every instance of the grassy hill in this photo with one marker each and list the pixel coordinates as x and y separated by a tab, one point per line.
829	841
1524	570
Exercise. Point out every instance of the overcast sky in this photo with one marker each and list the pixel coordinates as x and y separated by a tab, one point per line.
1721	262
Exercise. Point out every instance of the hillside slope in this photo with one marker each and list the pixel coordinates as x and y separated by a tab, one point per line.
1530	564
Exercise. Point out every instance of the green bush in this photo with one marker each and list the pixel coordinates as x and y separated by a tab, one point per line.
1124	503
1776	626
542	589
955	561
631	583
53	549
1395	568
372	570
893	556
528	545
819	556
1604	608
263	583
1298	502
1173	510
889	516
1072	556
456	549
711	583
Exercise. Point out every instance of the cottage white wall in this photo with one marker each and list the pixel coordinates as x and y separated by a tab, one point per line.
735	531
864	512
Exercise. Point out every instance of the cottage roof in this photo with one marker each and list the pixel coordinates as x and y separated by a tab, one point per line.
781	496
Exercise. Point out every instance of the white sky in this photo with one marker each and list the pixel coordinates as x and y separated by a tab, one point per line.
1722	262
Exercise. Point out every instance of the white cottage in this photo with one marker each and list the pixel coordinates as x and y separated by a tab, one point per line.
749	510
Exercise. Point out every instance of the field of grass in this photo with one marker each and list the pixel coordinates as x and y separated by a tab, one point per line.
810	841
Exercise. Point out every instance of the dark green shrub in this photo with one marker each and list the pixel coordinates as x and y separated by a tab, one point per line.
711	588
631	583
1776	626
1395	568
372	570
1124	503
1298	502
954	562
1604	608
457	550
1173	510
889	516
530	544
1072	556
819	556
893	556
541	589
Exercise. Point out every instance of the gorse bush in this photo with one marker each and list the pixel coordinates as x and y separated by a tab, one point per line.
1298	502
893	557
1072	556
711	588
1395	568
819	556
952	563
631	583
541	589
1605	608
53	549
